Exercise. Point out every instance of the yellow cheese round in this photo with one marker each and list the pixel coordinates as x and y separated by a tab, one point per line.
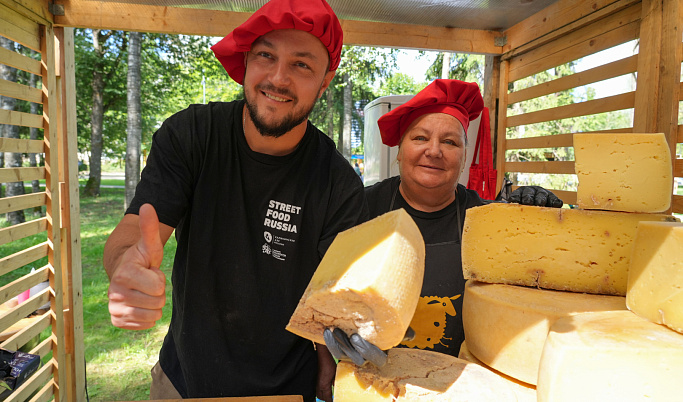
506	326
550	248
524	392
655	280
623	172
419	375
610	356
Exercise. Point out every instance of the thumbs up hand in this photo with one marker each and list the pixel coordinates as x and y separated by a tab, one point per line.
137	289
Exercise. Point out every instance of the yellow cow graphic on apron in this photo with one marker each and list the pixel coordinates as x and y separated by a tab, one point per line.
429	321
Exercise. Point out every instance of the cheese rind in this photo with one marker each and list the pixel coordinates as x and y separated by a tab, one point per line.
368	282
524	392
506	326
610	356
623	172
550	248
419	375
655	280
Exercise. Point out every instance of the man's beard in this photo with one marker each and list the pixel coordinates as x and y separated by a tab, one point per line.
282	127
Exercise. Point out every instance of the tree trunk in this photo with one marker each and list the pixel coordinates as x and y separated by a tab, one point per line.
348	110
11	159
92	187
134	131
330	113
446	65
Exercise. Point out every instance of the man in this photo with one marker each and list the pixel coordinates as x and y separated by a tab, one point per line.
255	194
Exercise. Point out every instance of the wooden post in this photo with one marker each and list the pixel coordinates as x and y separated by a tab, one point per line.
50	129
73	291
491	93
502	120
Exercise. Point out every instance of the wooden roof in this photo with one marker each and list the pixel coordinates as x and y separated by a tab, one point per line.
473	26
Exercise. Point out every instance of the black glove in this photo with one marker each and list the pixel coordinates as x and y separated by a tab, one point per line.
355	348
535	195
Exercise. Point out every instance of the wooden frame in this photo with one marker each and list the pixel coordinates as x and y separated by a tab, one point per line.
561	33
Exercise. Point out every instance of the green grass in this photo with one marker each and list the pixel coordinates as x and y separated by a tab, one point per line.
117	361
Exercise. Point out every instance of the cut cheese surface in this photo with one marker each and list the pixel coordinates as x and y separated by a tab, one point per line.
551	248
610	356
524	392
655	280
506	326
368	282
419	375
623	172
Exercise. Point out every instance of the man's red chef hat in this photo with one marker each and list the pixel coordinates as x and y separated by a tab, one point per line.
313	16
459	99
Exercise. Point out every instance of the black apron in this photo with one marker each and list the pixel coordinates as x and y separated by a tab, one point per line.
437	321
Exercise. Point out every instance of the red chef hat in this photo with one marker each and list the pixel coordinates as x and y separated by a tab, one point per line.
313	16
459	99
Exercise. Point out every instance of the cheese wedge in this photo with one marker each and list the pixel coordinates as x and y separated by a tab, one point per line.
368	282
610	356
523	391
419	375
623	172
655	278
506	326
550	248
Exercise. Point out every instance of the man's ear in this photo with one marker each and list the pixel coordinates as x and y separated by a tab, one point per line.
326	82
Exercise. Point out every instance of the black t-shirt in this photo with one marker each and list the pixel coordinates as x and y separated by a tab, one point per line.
438	319
251	229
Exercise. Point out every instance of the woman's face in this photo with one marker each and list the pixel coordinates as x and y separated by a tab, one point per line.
432	153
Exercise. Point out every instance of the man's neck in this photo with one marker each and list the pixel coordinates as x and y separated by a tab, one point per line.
276	146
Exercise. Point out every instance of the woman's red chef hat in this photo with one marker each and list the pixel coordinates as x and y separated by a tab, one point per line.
313	16
459	99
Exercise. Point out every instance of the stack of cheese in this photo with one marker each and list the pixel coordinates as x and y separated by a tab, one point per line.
553	313
369	283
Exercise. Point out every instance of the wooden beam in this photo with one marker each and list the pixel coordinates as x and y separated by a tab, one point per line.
556	21
16	27
648	81
19	144
19	91
191	21
21	258
22	230
34	10
678	167
26	201
12	175
552	56
555	141
596	74
555	167
421	37
602	105
18	60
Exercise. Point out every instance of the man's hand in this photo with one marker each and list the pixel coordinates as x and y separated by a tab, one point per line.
535	195
327	369
137	289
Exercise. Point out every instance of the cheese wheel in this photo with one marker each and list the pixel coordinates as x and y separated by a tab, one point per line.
506	326
610	356
523	391
368	282
551	248
623	172
419	375
655	279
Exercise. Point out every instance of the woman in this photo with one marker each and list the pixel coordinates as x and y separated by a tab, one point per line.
431	133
